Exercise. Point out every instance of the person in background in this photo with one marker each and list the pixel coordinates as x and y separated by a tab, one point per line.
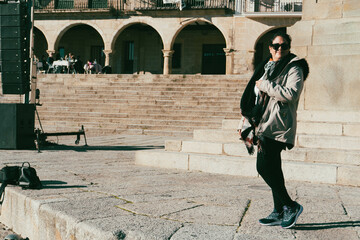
268	105
88	67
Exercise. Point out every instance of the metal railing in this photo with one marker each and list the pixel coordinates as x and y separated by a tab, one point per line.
76	4
251	6
184	4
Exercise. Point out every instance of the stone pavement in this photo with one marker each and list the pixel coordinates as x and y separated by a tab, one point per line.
97	192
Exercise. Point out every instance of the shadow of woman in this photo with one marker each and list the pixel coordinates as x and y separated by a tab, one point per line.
329	225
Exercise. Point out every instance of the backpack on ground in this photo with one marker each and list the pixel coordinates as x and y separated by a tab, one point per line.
24	176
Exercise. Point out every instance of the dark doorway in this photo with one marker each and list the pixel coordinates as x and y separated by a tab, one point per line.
213	59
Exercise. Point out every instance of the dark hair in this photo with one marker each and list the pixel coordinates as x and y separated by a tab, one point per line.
282	34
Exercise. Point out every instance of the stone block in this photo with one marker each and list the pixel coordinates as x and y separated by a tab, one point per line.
351	8
173	145
223	165
300	51
352	130
329	116
301	34
335	38
322	9
334	50
236	149
331	87
216	135
232	124
295	154
329	142
202	147
333	156
349	175
319	128
162	159
320	173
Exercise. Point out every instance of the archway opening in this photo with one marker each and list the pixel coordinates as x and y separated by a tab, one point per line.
84	42
40	45
198	48
262	46
138	49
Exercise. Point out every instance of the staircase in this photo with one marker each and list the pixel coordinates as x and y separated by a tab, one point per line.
171	105
327	150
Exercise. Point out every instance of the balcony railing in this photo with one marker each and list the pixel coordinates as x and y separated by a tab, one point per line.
75	4
254	6
184	4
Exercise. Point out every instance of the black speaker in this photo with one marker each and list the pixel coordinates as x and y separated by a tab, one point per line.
17	126
15	28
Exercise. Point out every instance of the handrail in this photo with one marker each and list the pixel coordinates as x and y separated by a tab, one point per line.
184	4
77	4
265	6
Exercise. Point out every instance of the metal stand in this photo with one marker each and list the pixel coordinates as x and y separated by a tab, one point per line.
41	136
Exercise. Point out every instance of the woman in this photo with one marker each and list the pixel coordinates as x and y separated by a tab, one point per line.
269	105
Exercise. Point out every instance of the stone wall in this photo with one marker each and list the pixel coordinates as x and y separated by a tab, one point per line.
328	36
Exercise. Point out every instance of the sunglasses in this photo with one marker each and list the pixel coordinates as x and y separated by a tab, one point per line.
276	46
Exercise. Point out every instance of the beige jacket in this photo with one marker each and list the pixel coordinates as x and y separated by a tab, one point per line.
279	119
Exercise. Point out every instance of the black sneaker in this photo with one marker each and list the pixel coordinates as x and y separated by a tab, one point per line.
274	219
291	215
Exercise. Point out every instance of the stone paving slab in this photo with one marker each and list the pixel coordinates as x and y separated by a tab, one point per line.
97	192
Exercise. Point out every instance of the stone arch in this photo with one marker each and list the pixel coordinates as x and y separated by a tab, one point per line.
191	21
83	40
129	24
40	44
73	24
137	48
198	47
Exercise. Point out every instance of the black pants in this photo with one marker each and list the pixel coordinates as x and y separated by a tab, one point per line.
269	167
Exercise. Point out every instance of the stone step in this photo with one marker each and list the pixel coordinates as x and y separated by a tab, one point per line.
84	79
191	101
116	97
99	116
318	127
243	166
141	107
118	92
114	103
113	131
167	85
330	156
302	140
140	89
134	121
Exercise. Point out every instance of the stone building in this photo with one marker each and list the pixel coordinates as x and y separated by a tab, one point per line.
155	36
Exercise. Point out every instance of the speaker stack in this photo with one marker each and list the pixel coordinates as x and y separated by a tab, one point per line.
15	27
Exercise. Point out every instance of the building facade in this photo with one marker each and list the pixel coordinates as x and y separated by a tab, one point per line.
162	36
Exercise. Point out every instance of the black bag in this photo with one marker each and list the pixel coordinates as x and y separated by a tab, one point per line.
24	176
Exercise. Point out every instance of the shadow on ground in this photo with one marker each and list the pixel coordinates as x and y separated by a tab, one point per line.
54	184
329	225
56	147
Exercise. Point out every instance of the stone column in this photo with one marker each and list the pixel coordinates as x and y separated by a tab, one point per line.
229	60
51	52
167	61
107	57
